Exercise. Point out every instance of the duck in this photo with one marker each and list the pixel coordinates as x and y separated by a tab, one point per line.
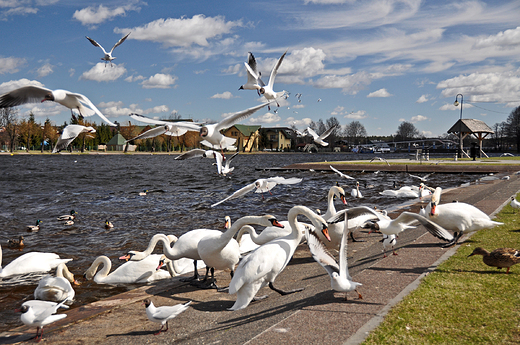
163	314
262	266
34	228
514	203
143	192
184	247
69	222
219	250
459	217
108	224
340	279
57	288
39	314
144	271
70	216
389	240
355	191
16	243
31	263
499	258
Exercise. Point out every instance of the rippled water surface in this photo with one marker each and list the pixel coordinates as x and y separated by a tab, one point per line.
101	187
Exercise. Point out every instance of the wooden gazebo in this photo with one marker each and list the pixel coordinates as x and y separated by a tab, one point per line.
464	127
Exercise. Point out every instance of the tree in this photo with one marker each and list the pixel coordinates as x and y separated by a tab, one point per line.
9	121
27	130
321	127
406	131
513	127
49	134
333	137
355	132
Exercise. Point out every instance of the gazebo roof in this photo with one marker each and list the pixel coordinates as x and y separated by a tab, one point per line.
470	126
117	139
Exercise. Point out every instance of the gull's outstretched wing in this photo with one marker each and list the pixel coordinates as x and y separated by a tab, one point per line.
340	173
151	133
23	95
320	253
433	228
274	72
119	42
237	117
242	191
191	154
95	44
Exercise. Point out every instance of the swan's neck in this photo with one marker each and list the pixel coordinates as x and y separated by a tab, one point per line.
249	230
228	235
151	246
101	260
331	209
1	269
292	217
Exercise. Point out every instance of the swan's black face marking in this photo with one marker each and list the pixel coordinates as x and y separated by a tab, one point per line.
203	132
325	232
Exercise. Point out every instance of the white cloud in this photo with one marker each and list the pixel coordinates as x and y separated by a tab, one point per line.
71	72
358	115
504	39
266	118
450	106
45	70
11	64
351	84
298	123
16	84
92	15
300	64
298	106
136	78
157	109
427	134
379	93
101	73
422	99
182	32
159	81
418	118
116	109
224	95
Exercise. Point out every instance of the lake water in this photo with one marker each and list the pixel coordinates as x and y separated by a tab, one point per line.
180	193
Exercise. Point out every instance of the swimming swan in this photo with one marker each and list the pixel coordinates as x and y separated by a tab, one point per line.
30	263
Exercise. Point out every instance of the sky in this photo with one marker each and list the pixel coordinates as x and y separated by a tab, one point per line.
379	62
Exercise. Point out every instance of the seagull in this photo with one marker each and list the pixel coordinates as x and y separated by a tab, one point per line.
226	169
299	96
252	80
318	139
171	130
379	159
219	159
108	56
267	90
33	94
68	135
340	173
389	240
40	313
319	99
163	314
424	178
514	203
262	185
211	133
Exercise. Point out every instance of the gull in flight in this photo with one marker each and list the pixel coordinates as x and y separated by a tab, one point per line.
340	173
219	159
211	133
108	56
379	159
68	135
267	90
424	178
33	94
252	81
262	185
164	127
319	139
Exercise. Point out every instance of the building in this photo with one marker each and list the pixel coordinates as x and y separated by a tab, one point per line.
246	137
117	143
279	138
464	127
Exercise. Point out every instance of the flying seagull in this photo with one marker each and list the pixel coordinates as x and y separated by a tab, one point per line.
262	185
319	139
68	135
33	94
175	129
379	159
108	56
340	173
252	81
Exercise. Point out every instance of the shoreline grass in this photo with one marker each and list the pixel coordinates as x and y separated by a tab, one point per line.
463	301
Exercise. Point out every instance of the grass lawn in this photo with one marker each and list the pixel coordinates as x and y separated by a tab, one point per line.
464	301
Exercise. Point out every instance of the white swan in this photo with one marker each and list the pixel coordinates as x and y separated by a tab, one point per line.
261	267
219	250
459	217
143	271
31	263
58	288
340	279
408	192
355	191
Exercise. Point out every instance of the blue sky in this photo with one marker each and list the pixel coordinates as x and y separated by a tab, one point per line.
377	61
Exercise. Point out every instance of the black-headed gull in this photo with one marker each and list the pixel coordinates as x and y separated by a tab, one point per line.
211	133
382	160
68	135
176	129
33	94
340	279
261	185
226	169
389	240
163	314
219	158
514	203
267	90
40	313
108	56
319	139
252	80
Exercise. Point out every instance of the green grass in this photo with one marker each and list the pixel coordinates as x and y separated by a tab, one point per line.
464	301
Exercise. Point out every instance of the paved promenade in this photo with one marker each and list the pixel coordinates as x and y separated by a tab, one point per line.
317	315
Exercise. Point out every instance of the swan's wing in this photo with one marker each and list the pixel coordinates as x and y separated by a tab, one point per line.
311	132
274	72
151	133
354	212
340	173
218	160
68	135
237	117
242	191
23	95
191	154
320	253
95	44
434	229
282	180
327	133
119	42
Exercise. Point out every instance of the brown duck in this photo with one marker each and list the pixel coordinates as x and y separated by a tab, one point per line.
16	243
499	258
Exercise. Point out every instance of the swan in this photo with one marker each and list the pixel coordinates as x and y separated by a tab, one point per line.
219	250
184	247
30	263
340	279
261	267
355	191
57	288
143	271
407	192
459	217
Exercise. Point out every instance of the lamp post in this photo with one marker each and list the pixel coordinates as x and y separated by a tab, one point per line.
456	103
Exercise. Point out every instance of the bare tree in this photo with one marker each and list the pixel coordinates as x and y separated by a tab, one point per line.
513	127
355	132
333	122
406	131
9	121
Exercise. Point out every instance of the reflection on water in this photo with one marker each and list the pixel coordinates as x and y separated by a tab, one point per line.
101	187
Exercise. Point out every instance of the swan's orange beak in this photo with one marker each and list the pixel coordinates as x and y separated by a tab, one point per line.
227	225
432	212
161	264
277	224
343	200
125	257
77	283
325	232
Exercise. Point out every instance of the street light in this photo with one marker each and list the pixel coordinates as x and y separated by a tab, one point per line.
456	103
